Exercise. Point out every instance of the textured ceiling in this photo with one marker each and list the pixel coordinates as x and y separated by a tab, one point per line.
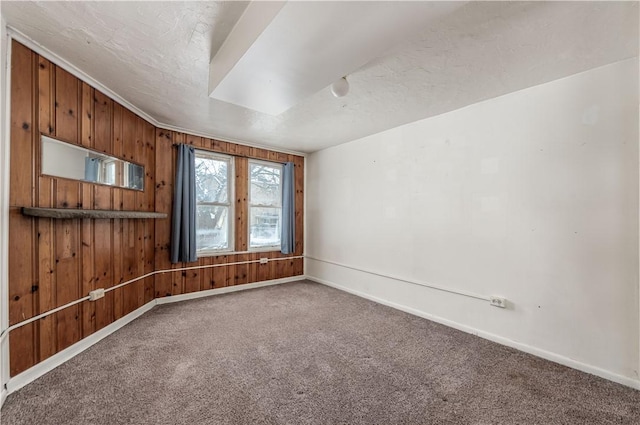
156	56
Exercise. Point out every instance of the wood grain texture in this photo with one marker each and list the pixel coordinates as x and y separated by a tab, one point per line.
175	283
46	275
102	122
53	261
241	209
46	101
164	160
67	265
219	273
86	116
133	294
67	108
22	349
87	265
103	246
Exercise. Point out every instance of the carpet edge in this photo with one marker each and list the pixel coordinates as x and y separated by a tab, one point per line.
226	290
33	373
40	369
538	352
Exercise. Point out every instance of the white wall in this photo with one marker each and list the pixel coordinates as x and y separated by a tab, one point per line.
532	196
4	211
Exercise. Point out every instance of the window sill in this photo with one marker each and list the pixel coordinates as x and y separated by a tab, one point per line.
205	254
265	249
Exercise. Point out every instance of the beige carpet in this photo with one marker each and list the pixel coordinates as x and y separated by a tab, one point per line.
303	353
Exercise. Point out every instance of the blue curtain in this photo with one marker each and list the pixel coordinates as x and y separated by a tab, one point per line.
287	235
183	225
91	166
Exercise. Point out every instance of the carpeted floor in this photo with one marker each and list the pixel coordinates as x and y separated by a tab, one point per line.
303	353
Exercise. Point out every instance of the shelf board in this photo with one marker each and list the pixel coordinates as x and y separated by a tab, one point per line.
74	213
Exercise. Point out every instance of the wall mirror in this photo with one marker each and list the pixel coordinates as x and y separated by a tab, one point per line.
62	159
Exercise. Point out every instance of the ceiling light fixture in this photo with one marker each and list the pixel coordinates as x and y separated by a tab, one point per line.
340	88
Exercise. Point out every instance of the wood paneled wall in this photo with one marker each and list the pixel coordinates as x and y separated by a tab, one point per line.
53	262
175	283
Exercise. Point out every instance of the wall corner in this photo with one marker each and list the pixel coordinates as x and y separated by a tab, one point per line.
5	52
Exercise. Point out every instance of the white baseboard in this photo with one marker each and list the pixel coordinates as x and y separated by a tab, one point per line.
225	290
3	396
538	352
33	373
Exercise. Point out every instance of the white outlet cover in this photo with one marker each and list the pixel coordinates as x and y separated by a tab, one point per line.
498	302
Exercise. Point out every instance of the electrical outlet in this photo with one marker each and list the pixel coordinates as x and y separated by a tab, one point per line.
498	301
264	260
96	294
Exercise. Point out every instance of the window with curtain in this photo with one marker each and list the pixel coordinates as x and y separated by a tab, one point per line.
265	204
214	206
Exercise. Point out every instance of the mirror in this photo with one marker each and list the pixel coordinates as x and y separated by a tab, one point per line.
62	159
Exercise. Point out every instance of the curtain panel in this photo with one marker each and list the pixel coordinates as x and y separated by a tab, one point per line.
183	225
287	236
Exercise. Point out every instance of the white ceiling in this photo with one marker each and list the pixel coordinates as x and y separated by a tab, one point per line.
156	56
301	48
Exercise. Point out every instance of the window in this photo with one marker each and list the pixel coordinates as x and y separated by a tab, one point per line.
265	204
108	169
214	209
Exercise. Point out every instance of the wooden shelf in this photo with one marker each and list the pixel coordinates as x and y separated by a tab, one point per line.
73	213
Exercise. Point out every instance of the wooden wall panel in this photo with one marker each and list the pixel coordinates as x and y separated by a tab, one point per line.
242	270
103	247
86	116
67	94
46	272
102	122
264	270
67	264
53	262
87	262
47	335
149	138
116	193
130	244
88	322
192	280
46	101
252	269
22	299
163	199
22	348
103	199
241	208
220	273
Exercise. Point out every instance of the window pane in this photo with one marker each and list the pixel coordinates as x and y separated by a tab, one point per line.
212	227
212	180
265	227
265	184
109	172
